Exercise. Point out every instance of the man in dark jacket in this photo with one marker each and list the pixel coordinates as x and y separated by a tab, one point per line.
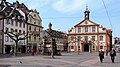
112	54
101	56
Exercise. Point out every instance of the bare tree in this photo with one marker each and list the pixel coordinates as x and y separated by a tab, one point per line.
15	36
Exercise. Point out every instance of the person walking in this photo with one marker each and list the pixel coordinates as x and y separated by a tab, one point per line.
33	51
106	52
101	56
112	54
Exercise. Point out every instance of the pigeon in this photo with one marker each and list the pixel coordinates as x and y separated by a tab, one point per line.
20	61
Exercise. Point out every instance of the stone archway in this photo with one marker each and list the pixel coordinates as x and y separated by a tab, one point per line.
86	47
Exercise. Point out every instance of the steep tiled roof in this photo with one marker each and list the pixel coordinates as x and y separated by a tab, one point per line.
54	33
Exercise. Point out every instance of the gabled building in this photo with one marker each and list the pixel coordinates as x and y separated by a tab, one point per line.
14	20
35	28
88	36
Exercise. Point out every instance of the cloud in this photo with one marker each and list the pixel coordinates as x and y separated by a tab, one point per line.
65	6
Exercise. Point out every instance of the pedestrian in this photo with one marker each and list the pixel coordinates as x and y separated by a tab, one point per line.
33	51
106	52
112	54
101	56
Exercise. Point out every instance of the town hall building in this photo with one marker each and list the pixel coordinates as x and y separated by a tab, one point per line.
88	36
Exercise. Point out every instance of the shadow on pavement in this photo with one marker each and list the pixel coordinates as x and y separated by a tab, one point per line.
5	65
111	62
48	57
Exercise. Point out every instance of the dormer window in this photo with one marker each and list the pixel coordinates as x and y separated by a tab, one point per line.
19	17
34	15
22	18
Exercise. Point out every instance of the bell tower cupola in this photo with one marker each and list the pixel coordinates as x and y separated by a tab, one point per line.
87	12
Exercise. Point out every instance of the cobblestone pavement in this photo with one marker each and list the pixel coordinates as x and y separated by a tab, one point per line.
66	60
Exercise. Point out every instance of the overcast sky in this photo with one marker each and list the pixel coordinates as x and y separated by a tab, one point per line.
64	14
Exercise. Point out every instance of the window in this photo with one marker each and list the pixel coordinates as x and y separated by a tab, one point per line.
22	18
7	21
23	25
29	38
12	22
93	38
19	17
23	32
93	28
38	23
39	39
86	29
39	29
35	15
72	38
79	37
72	47
1	22
86	38
30	19
79	29
20	24
20	31
7	29
34	38
12	30
35	29
101	38
6	38
11	40
101	47
93	47
15	30
35	22
30	28
16	23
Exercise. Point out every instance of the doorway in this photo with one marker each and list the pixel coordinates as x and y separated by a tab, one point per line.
86	48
